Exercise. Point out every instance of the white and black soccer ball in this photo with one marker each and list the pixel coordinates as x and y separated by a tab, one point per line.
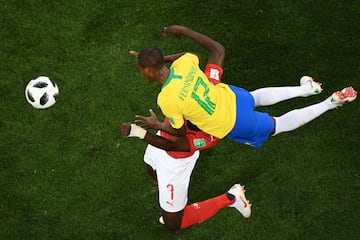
41	92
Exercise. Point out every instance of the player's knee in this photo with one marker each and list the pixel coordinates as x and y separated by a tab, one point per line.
172	225
172	221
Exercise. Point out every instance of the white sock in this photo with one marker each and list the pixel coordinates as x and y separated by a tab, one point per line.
298	117
271	95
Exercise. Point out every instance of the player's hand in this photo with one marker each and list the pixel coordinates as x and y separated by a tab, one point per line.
148	122
126	128
175	30
133	130
134	53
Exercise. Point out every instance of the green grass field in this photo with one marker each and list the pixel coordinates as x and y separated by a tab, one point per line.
68	173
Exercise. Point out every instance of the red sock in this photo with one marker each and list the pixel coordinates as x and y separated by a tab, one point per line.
201	211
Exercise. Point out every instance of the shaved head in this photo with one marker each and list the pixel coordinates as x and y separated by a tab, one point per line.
151	57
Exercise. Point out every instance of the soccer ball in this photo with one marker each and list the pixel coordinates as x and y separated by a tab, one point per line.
41	92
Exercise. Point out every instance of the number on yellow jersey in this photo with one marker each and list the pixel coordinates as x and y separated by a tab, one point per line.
205	103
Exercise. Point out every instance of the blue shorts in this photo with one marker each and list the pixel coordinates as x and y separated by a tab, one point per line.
251	127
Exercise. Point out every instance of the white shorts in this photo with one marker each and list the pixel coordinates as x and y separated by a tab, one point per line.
173	176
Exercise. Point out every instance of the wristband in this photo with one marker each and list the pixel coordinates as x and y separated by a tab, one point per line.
137	131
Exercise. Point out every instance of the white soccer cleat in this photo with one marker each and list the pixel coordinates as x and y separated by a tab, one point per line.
348	94
241	203
315	87
161	220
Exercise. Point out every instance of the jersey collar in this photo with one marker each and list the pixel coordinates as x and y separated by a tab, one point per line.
171	76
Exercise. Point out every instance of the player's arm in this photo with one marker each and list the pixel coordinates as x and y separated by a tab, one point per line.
216	50
176	144
153	122
180	133
173	57
167	58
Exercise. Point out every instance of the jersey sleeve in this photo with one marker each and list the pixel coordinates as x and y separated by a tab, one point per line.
214	73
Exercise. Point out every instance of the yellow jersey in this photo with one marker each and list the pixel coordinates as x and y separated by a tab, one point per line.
187	93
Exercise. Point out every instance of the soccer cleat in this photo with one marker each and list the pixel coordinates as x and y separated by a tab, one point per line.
315	86
161	220
348	94
241	203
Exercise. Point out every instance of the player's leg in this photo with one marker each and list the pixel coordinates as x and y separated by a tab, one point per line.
159	166
271	95
297	118
173	182
201	211
151	171
171	220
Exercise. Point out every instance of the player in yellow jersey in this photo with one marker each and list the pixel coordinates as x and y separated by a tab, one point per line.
172	168
225	110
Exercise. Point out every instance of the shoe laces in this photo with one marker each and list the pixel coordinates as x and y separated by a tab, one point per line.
349	92
340	95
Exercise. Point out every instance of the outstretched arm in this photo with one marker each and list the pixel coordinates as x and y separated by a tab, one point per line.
173	57
167	58
175	144
153	122
216	50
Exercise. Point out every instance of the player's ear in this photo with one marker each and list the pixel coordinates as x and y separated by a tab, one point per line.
148	71
144	70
